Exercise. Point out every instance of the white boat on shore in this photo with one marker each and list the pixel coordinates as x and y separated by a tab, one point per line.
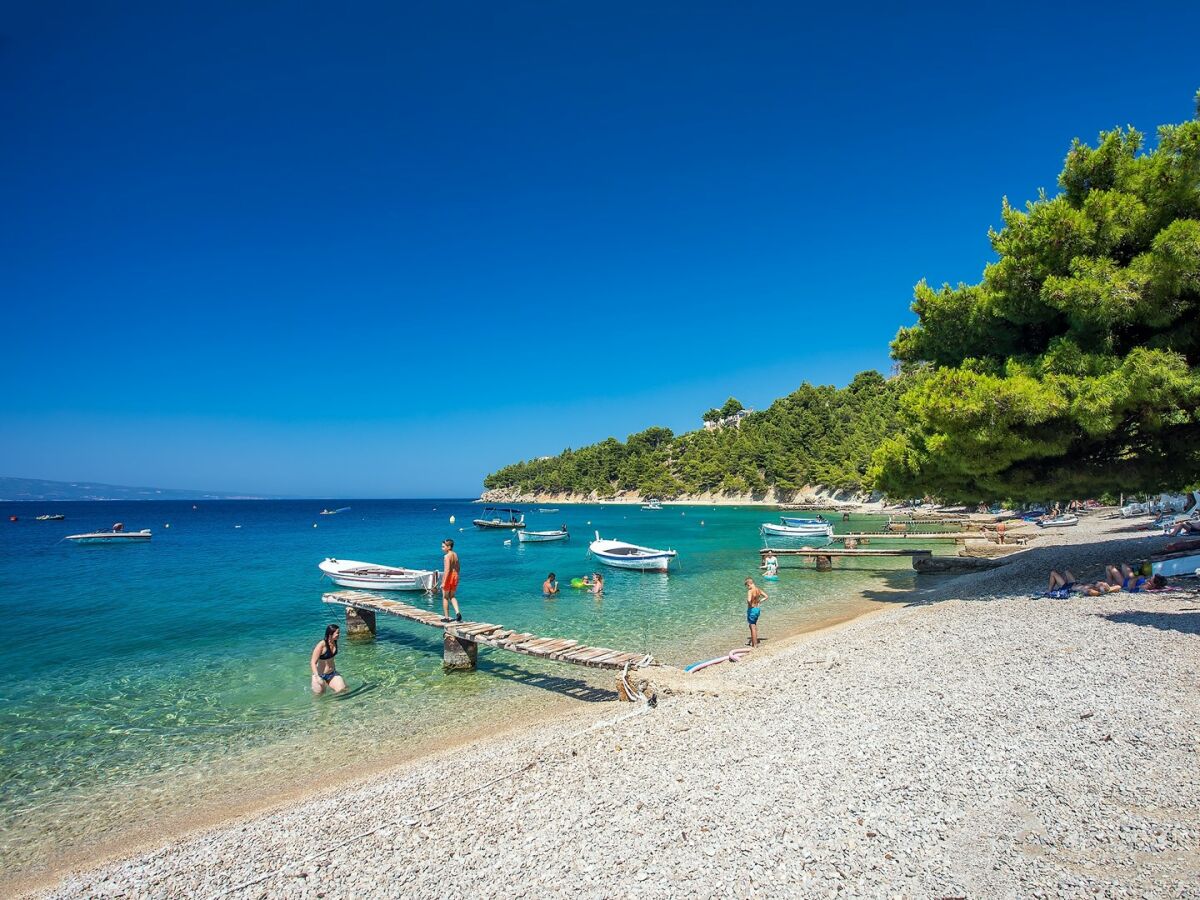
630	556
537	537
353	573
1057	521
110	537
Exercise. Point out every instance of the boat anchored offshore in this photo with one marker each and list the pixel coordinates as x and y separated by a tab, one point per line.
536	537
630	556
57	517
353	573
333	512
801	528
110	537
500	517
652	503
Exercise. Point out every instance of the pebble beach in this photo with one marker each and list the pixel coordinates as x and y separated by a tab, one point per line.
965	741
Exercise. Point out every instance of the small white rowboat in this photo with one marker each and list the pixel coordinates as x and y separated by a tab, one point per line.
630	556
812	530
537	537
353	573
111	537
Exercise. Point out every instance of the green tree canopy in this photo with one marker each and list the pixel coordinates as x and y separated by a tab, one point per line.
1071	368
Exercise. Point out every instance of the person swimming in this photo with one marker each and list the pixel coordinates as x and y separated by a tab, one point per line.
324	672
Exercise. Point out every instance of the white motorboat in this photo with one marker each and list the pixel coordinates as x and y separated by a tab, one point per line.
1058	520
810	530
353	573
631	556
652	503
57	517
110	537
541	510
537	537
500	517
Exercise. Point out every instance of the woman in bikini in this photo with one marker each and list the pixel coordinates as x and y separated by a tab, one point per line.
323	670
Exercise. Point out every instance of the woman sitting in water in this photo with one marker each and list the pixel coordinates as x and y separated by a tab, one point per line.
323	670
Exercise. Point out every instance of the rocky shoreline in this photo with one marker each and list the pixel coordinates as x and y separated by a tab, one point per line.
829	498
966	741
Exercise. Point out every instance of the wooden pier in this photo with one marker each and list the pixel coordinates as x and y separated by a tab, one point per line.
824	556
958	537
461	640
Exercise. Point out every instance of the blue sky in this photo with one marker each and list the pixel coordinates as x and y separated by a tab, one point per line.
382	249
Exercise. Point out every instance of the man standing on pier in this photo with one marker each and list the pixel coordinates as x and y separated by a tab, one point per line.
449	581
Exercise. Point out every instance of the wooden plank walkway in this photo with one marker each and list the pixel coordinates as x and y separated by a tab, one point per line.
557	649
832	552
958	537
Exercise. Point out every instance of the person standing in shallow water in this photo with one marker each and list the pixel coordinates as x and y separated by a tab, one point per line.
324	672
755	597
450	570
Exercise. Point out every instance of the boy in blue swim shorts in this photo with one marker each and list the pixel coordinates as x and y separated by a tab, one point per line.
755	597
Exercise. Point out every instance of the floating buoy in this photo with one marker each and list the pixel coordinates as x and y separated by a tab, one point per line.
589	521
314	524
167	525
452	520
701	521
507	543
237	526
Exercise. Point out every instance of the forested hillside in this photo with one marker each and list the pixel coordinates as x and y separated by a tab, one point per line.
814	436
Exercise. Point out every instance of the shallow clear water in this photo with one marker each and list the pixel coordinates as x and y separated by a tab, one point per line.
147	684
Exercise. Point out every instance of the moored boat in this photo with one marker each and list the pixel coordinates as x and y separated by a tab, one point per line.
794	522
652	503
353	573
541	510
810	529
525	536
57	517
500	517
110	537
631	556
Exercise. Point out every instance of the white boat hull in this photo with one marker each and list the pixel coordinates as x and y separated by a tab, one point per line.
372	577
621	555
1059	522
801	531
537	537
111	537
1183	564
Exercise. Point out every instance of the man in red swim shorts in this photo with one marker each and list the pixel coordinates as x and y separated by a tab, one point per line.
450	581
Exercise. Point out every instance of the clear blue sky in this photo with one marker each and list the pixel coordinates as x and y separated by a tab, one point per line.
381	249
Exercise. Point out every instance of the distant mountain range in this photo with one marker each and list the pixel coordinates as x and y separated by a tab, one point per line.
41	490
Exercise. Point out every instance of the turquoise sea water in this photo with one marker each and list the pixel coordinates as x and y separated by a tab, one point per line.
148	684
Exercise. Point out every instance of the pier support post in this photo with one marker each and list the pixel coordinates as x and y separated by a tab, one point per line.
360	622
458	653
824	563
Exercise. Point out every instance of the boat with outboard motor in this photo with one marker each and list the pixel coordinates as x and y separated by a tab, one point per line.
525	536
622	555
652	503
353	573
57	517
500	517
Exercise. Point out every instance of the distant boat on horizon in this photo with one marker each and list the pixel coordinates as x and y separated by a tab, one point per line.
334	512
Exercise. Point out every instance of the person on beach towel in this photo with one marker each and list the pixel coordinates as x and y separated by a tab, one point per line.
324	672
450	570
755	597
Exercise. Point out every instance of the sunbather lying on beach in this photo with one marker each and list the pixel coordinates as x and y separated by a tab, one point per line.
1187	526
1126	577
1062	586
